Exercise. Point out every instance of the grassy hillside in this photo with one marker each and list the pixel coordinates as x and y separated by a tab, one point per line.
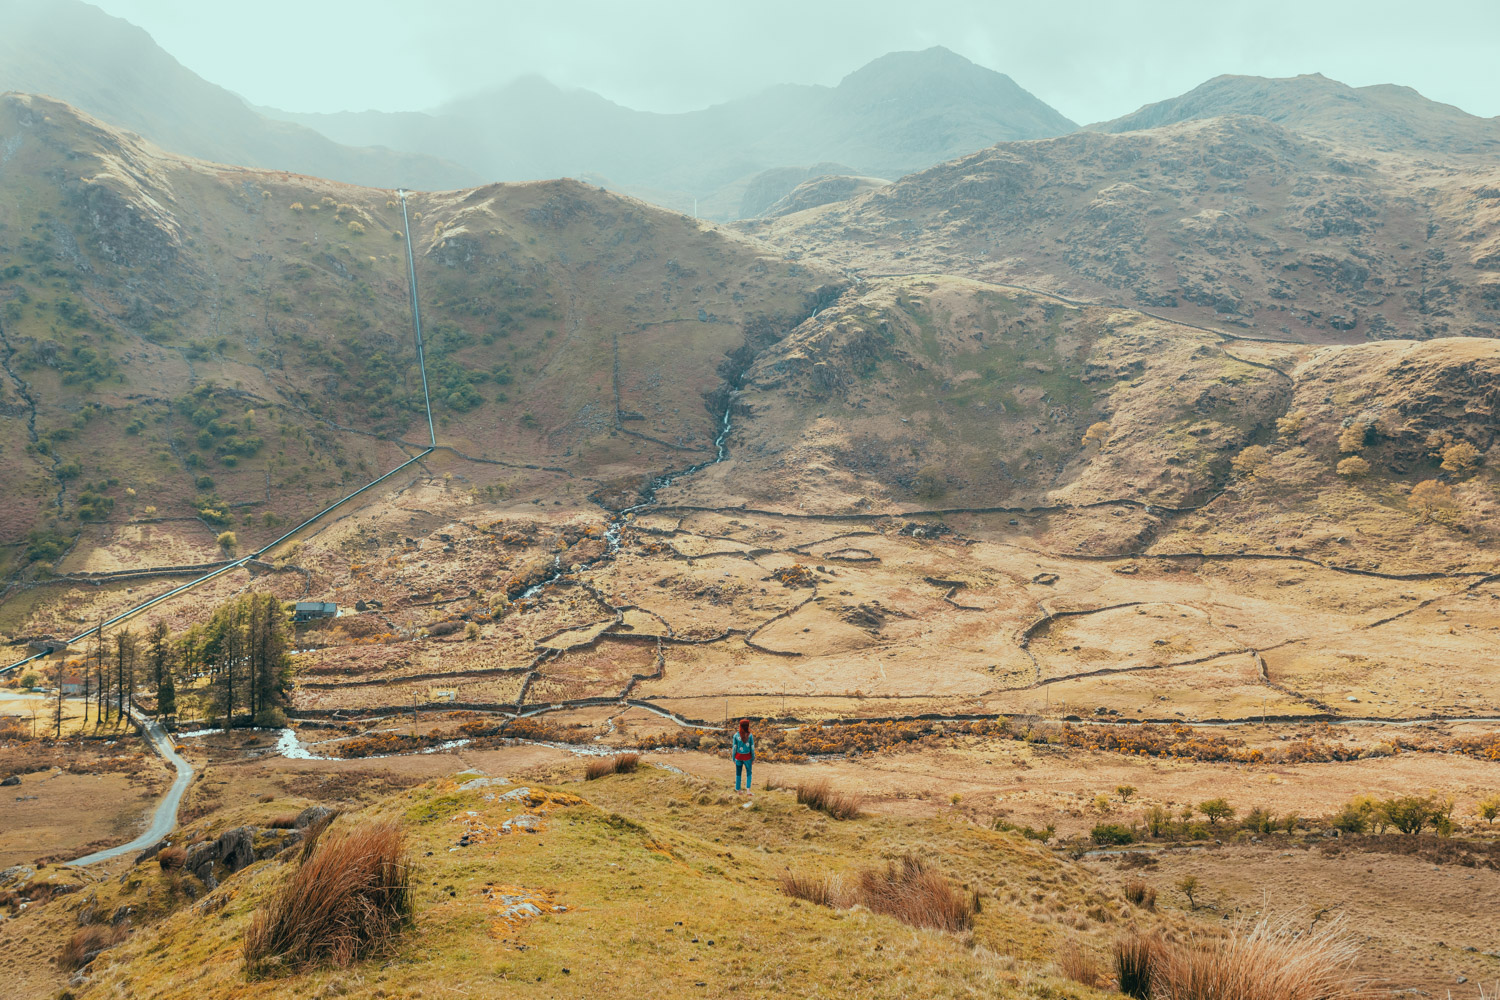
647	883
191	348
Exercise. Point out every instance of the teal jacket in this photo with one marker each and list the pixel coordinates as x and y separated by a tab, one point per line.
744	745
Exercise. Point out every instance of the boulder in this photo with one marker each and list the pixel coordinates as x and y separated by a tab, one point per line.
16	875
200	864
11	781
311	815
235	848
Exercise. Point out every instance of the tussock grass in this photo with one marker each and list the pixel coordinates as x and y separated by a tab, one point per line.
1081	965
624	763
916	893
908	889
314	833
1135	955
822	796
824	889
1140	894
88	943
345	902
171	858
1272	959
284	822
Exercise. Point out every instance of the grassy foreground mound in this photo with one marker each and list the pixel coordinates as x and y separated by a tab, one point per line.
657	884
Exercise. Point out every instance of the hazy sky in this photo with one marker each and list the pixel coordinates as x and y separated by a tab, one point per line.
1090	59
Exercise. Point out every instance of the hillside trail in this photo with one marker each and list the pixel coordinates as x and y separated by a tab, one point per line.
164	819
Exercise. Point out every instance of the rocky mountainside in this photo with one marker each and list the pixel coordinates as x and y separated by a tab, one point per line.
190	348
75	52
1235	222
1385	118
902	112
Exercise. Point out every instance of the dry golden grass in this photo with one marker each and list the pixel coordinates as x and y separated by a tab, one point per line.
1272	959
916	893
1078	963
624	763
170	858
285	822
347	901
824	889
314	833
88	943
1140	894
910	890
822	796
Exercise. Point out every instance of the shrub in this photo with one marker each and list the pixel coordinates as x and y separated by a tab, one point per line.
1354	437
916	893
287	821
1353	467
228	541
1274	959
1488	808
171	858
1140	894
1045	834
1251	460
88	943
1355	816
1410	813
1188	885
1460	457
1112	833
1158	821
1291	424
1215	810
623	763
348	900
820	795
1430	497
1259	820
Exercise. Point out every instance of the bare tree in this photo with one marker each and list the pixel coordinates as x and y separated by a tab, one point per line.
62	675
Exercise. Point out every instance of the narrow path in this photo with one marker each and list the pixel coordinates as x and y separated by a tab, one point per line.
165	817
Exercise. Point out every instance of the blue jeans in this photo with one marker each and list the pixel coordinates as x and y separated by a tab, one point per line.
742	766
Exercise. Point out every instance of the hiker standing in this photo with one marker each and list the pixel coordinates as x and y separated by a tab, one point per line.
744	754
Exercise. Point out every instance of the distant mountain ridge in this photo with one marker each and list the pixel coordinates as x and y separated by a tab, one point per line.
1384	117
904	111
75	52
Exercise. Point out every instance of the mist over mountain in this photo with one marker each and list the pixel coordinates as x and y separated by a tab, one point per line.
104	65
900	113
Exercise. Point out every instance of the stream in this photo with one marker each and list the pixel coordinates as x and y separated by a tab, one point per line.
618	519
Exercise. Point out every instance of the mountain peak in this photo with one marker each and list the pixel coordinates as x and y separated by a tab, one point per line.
1383	117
